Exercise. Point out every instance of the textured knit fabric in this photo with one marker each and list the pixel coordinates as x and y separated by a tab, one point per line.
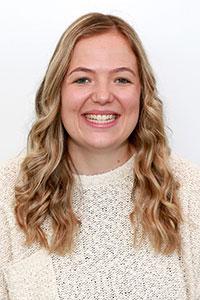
104	264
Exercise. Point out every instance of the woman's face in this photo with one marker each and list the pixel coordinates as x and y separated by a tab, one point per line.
100	95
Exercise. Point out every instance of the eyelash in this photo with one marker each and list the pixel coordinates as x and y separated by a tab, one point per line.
82	80
124	80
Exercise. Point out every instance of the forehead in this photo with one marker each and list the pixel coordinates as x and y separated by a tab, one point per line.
110	47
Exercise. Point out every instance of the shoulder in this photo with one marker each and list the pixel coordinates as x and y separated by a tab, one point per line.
188	175
9	171
187	172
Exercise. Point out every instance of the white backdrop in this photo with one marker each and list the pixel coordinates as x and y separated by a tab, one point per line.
170	31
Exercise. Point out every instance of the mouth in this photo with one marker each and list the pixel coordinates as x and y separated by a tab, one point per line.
101	118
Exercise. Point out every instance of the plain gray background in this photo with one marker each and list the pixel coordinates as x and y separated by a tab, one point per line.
170	31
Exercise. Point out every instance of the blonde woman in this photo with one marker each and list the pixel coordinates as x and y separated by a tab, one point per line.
97	207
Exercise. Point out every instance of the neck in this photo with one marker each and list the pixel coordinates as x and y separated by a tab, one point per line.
95	162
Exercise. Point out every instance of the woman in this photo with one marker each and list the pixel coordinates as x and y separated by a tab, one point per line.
105	210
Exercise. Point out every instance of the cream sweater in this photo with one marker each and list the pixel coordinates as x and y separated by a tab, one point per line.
104	265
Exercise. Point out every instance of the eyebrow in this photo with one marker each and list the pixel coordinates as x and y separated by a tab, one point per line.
116	70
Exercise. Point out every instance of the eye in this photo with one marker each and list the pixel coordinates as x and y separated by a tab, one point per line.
82	80
122	80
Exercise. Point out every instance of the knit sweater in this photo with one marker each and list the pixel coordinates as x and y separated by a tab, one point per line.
104	264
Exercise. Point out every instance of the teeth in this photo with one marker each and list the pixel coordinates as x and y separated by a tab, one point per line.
100	117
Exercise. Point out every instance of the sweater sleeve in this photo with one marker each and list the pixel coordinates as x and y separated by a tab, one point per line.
5	252
188	175
7	175
194	221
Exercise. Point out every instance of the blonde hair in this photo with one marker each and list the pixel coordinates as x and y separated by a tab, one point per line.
45	181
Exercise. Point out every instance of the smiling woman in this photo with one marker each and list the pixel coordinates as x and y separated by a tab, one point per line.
98	207
100	99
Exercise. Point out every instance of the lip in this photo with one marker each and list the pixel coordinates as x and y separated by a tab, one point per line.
102	125
101	112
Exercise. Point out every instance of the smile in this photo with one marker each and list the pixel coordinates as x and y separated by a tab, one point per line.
100	118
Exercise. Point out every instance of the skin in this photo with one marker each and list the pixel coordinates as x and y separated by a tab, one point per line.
100	86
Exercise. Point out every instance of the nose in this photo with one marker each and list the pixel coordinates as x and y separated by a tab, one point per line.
102	93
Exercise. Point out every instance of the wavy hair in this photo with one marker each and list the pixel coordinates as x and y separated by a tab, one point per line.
44	188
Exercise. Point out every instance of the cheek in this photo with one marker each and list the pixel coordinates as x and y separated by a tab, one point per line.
72	100
131	102
71	103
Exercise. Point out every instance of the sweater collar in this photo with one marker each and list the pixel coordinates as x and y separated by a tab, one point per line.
109	177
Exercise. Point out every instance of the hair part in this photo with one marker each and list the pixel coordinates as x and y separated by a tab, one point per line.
45	184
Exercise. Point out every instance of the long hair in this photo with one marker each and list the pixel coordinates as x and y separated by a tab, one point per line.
44	188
